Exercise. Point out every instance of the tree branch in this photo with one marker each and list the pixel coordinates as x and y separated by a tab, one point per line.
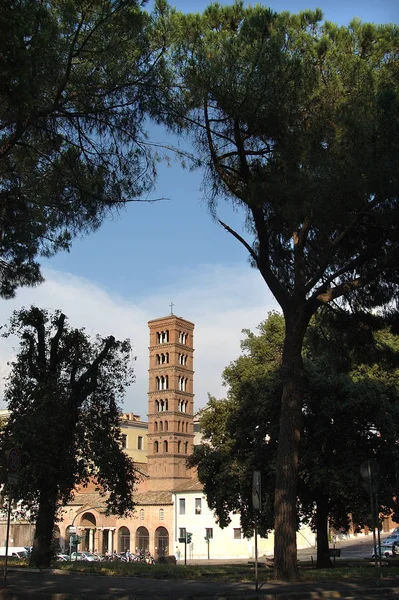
55	342
90	375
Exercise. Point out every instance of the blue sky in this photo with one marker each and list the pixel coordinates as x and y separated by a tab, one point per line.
128	272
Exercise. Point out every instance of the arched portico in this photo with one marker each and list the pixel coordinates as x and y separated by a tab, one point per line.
142	539
123	539
87	530
161	542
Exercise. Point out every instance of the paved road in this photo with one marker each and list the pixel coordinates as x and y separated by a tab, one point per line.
351	548
33	585
40	586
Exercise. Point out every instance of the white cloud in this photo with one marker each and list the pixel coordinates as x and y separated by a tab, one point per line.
220	300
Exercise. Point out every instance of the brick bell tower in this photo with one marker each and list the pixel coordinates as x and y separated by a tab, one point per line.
170	401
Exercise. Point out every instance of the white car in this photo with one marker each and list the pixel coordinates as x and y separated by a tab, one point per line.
386	551
62	557
83	556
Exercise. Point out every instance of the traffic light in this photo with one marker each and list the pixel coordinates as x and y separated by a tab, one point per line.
188	537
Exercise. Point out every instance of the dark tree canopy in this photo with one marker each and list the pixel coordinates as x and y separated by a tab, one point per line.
76	78
297	122
64	394
350	413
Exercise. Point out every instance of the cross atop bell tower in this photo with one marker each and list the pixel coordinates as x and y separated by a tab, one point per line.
170	400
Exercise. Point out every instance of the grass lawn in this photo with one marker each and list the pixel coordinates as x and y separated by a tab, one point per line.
237	572
233	573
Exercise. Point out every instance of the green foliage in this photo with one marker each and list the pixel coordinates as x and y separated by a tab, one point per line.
64	393
350	413
296	122
240	432
76	82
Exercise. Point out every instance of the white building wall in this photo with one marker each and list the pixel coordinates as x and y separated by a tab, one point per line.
223	543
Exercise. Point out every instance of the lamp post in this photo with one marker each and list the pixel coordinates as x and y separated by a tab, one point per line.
208	540
370	472
256	505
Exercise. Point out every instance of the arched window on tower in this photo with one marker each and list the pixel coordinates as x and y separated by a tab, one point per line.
182	359
178	425
182	337
187	427
160	425
166	426
179	447
162	382
162	337
165	446
166	404
163	358
186	448
156	426
156	447
157	405
182	383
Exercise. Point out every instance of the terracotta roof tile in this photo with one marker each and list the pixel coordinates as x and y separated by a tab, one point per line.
92	499
189	486
157	498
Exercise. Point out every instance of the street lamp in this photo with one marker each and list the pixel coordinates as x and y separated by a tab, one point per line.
256	505
370	472
208	540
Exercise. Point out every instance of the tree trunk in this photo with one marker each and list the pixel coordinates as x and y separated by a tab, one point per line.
42	552
323	551
285	516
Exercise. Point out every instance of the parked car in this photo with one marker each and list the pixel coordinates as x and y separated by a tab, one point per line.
14	551
392	539
83	556
62	557
386	551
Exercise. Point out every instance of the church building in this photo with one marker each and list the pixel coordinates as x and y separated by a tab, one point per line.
169	498
168	440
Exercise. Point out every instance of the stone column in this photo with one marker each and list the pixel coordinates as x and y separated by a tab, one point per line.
110	546
91	539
